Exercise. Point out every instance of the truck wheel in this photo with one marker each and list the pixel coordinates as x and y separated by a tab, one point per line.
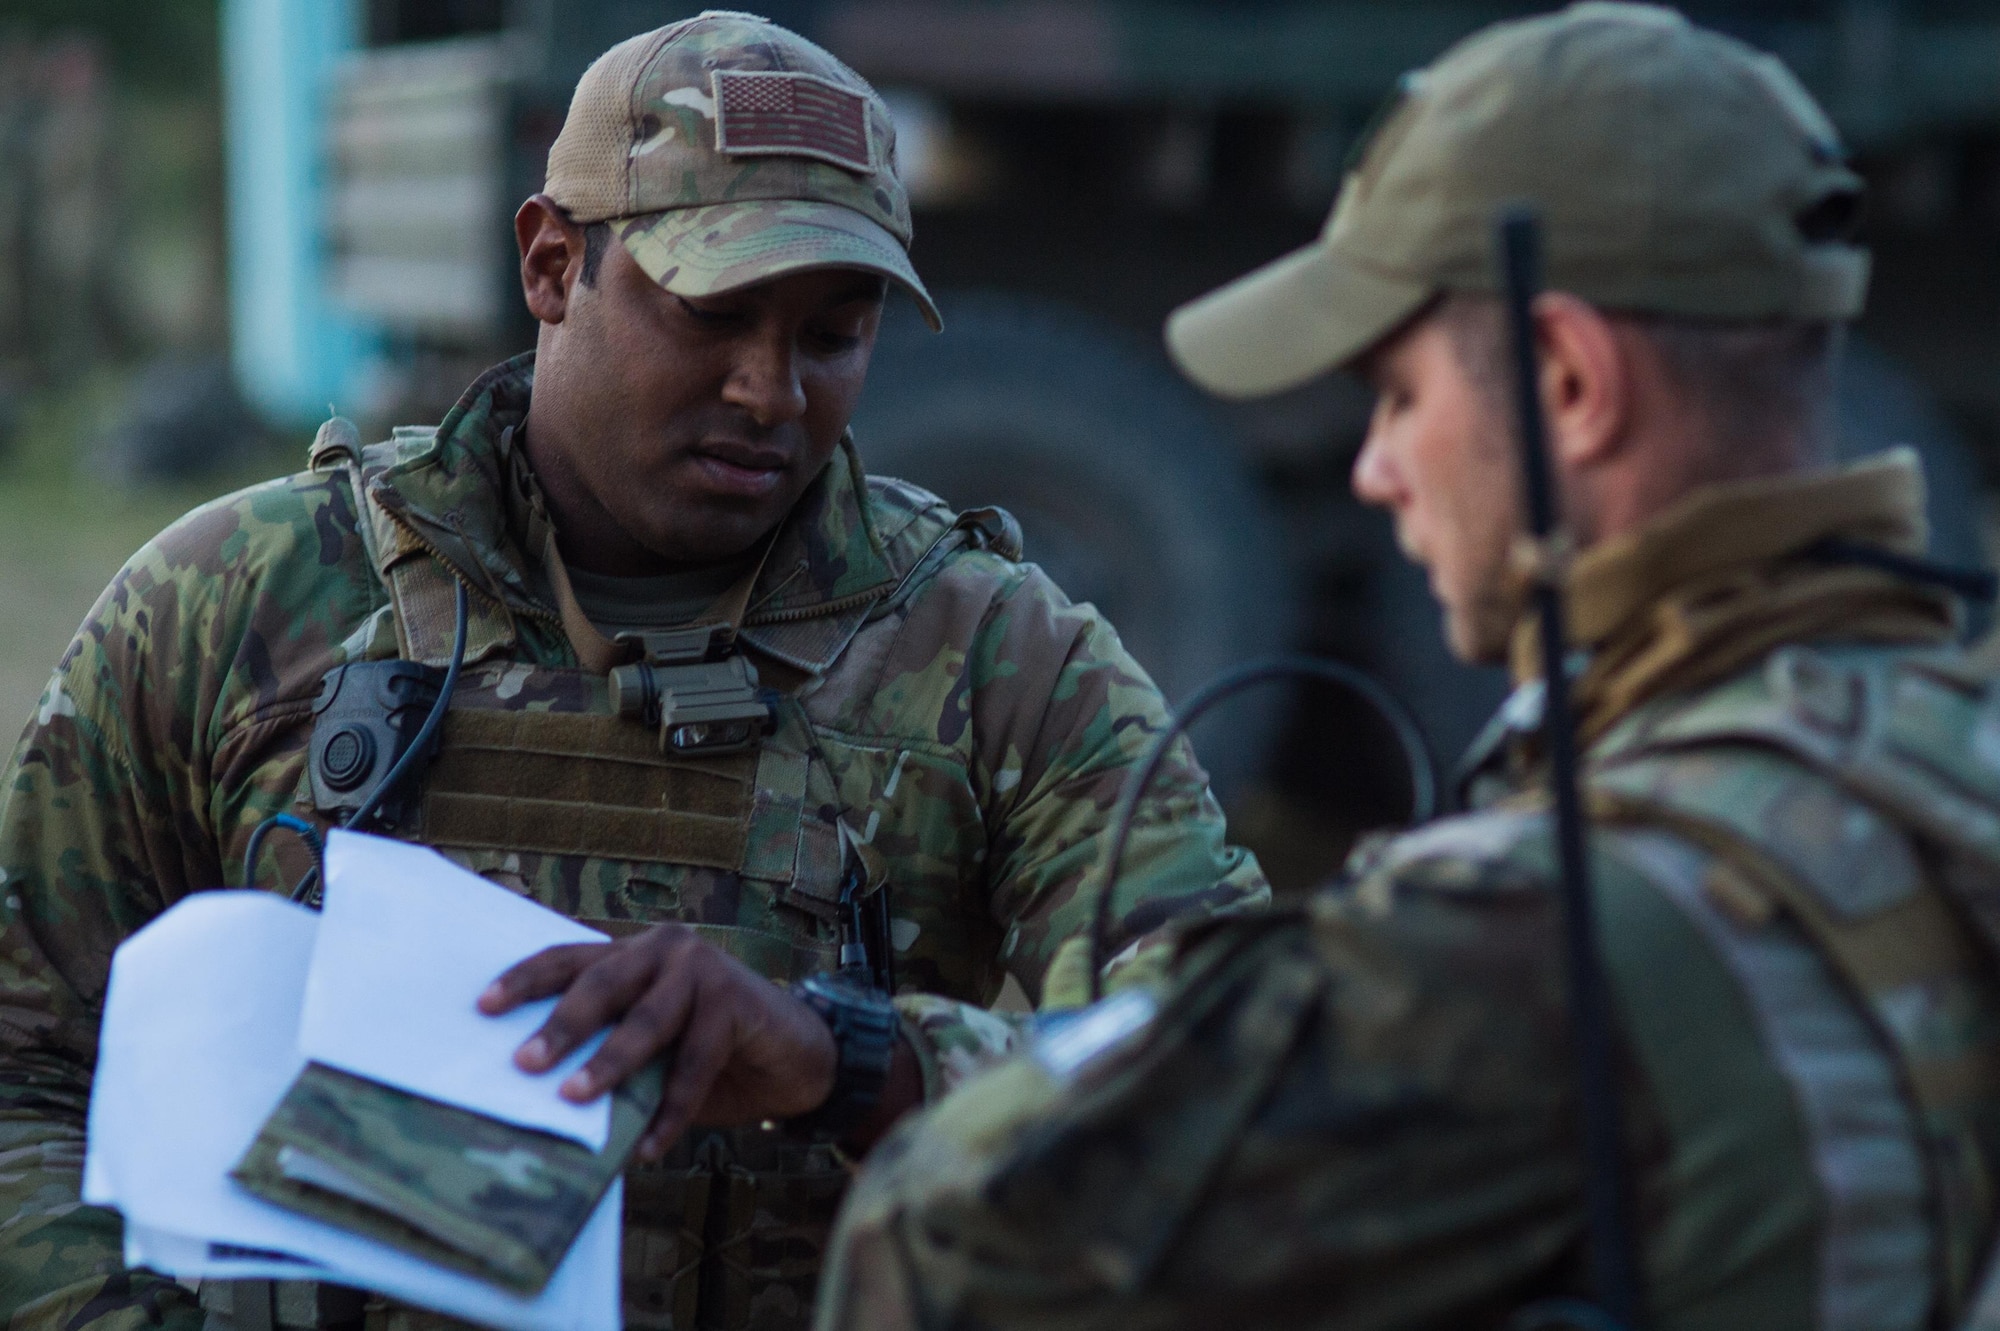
1129	493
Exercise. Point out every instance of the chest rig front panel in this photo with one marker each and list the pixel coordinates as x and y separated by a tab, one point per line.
541	786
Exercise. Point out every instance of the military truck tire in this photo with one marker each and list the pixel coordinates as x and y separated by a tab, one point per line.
1130	494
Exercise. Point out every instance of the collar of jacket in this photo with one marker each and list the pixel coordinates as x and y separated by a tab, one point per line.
828	566
1714	584
1721	528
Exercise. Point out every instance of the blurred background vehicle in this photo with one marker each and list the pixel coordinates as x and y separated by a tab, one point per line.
1078	167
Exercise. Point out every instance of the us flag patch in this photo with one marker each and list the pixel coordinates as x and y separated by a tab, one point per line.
775	113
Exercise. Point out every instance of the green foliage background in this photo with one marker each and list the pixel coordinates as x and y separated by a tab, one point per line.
63	529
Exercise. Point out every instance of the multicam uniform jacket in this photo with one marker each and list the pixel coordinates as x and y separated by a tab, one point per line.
942	700
1361	1113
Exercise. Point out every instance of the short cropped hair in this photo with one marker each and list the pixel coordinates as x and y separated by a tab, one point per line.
1755	382
596	236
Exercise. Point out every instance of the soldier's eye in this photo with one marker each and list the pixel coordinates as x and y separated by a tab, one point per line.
707	316
833	341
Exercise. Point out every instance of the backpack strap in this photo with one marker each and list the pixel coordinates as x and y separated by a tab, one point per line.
1915	733
1791	842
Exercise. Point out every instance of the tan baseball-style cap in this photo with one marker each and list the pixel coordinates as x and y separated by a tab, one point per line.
1677	171
726	150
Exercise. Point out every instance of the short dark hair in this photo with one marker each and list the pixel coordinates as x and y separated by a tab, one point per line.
1756	382
596	235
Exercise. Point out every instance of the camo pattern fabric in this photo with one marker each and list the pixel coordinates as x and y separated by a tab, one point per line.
674	155
973	728
1362	1113
707	251
477	1194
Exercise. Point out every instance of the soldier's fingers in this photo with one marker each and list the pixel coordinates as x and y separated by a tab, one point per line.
597	997
547	972
704	1051
649	1027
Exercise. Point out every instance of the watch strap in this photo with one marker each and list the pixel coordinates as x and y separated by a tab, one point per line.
865	1027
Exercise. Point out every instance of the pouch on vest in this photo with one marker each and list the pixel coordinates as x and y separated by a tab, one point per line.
366	717
457	1189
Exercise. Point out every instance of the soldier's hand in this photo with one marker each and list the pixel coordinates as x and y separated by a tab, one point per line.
745	1049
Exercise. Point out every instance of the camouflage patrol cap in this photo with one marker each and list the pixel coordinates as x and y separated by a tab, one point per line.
726	150
1677	172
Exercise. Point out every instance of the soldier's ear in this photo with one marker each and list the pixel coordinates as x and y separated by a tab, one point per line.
552	254
1587	380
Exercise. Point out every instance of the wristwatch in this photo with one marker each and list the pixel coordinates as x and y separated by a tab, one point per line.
865	1027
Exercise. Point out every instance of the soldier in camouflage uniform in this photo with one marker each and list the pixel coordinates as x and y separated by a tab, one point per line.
722	219
1361	1113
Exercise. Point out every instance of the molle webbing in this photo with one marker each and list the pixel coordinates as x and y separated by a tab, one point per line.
1909	964
569	784
563	777
720	1226
269	1305
565	783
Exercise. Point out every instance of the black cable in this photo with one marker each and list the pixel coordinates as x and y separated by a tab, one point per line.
1973	584
304	830
1423	767
435	718
302	895
461	613
1518	250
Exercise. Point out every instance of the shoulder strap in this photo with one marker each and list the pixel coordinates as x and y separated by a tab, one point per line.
989	528
337	445
1919	972
1914	733
419	583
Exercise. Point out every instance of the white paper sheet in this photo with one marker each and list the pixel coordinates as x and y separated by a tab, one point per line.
581	1296
198	1046
407	942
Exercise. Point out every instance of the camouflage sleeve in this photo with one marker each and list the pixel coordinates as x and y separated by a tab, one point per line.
954	1040
1061	714
78	855
118	801
1330	1112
